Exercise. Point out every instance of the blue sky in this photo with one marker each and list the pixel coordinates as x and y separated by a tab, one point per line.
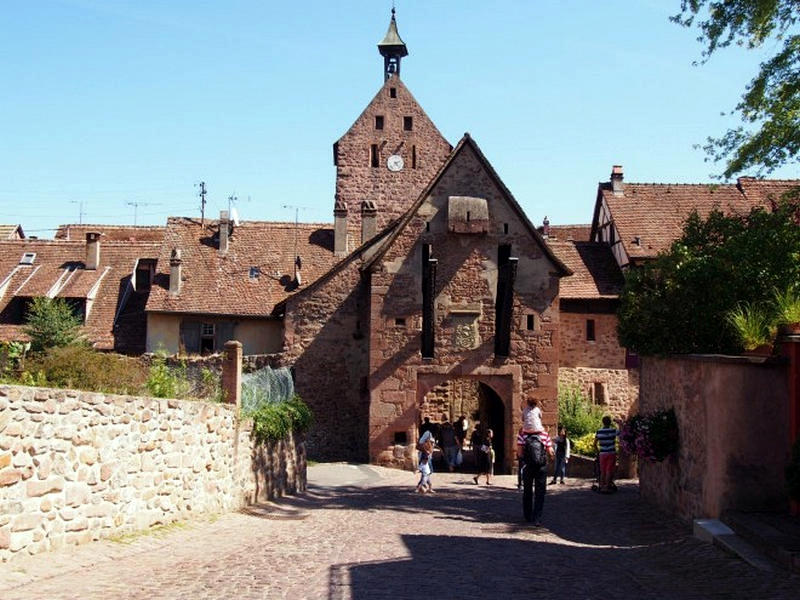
110	103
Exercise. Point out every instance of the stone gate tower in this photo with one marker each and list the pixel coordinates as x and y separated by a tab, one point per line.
387	156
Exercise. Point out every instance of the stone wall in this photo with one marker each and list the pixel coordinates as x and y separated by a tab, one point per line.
604	352
734	434
80	466
615	390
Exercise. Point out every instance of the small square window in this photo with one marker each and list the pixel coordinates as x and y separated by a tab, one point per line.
254	272
400	437
400	322
207	330
530	322
408	123
590	333
392	92
379	122
27	258
505	227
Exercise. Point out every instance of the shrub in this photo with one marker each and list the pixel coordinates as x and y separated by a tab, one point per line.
584	445
51	323
577	413
83	368
163	382
753	325
276	420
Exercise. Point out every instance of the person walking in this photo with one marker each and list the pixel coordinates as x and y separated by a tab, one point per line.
450	445
562	445
532	451
425	447
605	441
484	456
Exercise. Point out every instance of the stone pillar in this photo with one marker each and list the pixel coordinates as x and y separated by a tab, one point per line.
232	373
340	229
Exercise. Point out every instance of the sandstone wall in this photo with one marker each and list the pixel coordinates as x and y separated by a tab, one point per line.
79	466
616	390
734	434
604	352
465	296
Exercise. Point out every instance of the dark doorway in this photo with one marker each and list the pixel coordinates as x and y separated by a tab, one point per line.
491	414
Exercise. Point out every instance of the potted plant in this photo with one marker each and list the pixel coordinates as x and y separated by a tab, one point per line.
755	327
787	311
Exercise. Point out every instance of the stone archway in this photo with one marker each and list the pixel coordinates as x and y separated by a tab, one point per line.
501	395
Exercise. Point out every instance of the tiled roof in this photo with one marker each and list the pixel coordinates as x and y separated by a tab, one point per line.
573	233
595	273
215	283
10	232
59	261
655	213
768	191
141	233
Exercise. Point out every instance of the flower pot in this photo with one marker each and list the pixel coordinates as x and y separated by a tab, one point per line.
788	329
763	350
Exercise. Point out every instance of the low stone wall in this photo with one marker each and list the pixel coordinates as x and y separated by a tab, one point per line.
616	390
80	466
733	425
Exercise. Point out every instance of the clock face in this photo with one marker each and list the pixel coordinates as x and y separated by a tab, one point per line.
394	162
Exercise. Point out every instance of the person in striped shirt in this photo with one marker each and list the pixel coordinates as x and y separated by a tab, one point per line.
534	477
605	441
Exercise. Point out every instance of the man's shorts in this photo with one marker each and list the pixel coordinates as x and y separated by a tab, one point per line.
608	461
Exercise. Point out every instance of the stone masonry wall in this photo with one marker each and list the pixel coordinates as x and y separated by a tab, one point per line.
80	466
326	343
391	191
616	390
604	352
465	291
734	434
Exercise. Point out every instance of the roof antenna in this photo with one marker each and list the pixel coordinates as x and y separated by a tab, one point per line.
297	261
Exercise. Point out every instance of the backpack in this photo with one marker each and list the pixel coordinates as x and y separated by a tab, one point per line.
534	452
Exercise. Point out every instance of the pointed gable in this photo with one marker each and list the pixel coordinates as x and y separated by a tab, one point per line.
468	174
392	125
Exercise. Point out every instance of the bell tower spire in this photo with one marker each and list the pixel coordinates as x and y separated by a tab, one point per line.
392	48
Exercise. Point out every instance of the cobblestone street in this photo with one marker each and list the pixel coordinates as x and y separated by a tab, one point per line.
362	533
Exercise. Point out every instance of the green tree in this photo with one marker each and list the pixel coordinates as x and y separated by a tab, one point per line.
51	323
770	105
679	302
577	413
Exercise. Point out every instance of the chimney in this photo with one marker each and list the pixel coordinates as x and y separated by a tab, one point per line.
546	227
369	225
340	228
616	180
92	250
223	231
175	272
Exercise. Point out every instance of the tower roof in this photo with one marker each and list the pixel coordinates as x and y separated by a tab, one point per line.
391	42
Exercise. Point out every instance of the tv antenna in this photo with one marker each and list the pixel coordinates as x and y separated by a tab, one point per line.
81	214
136	206
297	210
202	194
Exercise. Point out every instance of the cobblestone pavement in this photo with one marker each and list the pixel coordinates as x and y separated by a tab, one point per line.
362	533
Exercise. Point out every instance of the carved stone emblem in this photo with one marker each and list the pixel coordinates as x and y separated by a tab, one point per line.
465	327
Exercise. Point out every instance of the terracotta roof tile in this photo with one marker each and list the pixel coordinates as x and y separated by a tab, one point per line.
108	284
767	191
573	233
595	273
655	213
215	283
140	233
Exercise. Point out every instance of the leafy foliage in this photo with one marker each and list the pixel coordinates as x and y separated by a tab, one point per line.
80	367
770	105
584	445
576	412
678	302
651	437
163	382
12	356
753	324
51	323
275	420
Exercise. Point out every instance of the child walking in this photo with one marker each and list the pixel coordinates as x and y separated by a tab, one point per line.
425	458
562	444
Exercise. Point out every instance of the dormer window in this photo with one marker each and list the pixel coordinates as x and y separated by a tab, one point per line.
27	258
254	272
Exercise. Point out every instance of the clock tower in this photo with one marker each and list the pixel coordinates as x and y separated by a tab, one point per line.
388	155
